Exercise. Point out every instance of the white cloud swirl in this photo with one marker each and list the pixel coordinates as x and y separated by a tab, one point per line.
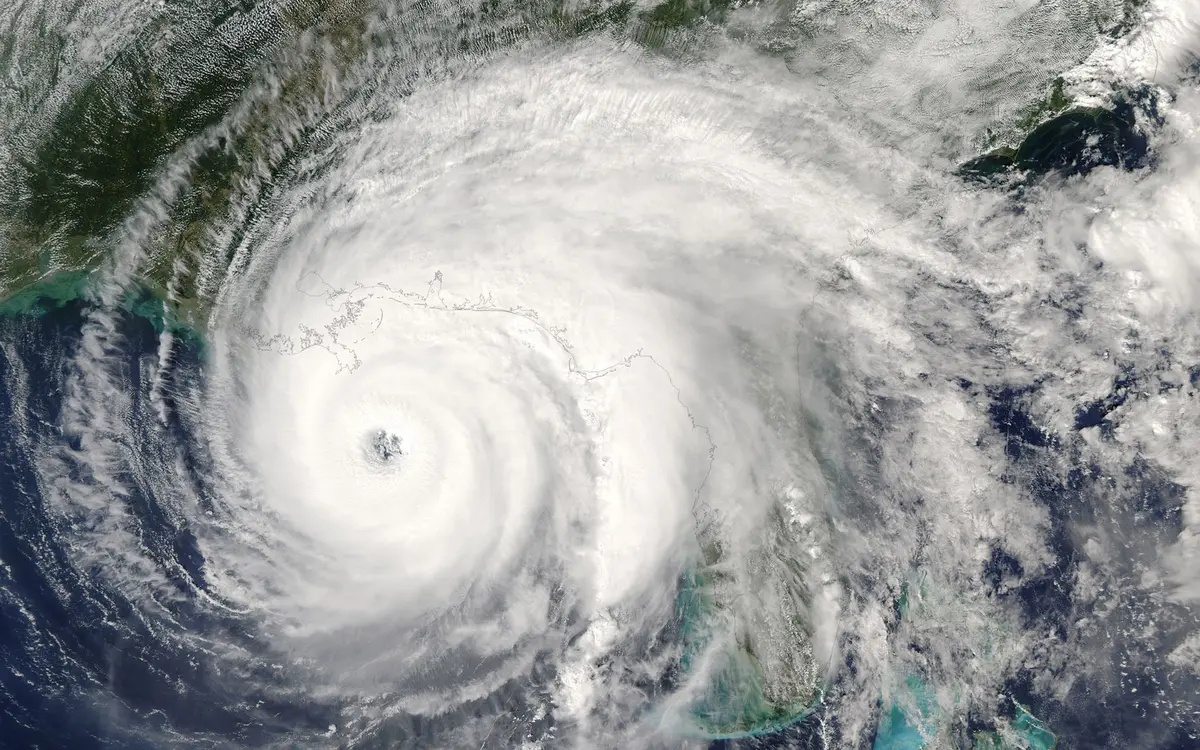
548	288
551	337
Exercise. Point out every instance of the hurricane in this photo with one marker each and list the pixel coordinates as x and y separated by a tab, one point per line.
528	375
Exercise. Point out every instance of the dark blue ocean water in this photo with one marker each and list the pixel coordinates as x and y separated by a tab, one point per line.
83	665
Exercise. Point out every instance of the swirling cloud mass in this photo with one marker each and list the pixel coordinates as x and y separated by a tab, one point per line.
577	394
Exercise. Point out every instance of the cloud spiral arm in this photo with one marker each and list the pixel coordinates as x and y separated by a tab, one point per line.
639	401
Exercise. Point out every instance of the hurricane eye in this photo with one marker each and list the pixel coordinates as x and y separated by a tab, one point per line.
571	374
385	446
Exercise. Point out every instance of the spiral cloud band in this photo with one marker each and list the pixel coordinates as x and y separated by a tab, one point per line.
586	398
538	357
562	374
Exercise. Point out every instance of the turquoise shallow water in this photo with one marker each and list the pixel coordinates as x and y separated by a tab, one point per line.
995	448
60	289
900	730
912	729
734	706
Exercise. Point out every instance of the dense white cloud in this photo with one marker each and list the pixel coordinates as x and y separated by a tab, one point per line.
552	334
